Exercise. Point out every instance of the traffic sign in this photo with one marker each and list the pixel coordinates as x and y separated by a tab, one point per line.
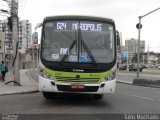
137	26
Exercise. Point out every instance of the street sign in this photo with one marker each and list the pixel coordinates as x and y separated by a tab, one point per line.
137	26
124	54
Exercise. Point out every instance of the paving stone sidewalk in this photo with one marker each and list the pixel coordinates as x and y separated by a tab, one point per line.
27	84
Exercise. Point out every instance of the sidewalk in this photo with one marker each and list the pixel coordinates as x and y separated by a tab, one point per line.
145	78
27	84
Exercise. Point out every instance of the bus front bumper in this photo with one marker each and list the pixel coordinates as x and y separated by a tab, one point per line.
46	85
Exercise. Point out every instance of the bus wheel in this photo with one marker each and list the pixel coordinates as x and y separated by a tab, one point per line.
98	96
49	95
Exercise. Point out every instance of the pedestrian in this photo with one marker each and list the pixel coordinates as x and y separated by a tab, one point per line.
3	69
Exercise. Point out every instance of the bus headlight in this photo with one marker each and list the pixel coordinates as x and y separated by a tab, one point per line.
112	76
44	74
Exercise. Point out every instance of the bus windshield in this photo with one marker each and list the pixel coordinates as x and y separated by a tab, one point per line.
78	41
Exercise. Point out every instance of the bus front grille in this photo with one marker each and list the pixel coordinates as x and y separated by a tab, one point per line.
75	80
69	89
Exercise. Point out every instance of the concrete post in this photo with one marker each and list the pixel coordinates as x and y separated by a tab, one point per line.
14	16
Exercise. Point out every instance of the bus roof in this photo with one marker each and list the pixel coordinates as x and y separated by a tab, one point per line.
68	17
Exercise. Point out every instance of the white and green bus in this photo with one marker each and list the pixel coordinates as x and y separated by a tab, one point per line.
77	55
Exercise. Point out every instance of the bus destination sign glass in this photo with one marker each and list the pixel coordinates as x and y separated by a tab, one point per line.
75	26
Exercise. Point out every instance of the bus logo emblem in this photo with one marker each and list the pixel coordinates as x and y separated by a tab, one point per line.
78	77
78	70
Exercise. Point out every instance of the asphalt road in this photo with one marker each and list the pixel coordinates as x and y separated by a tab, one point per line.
127	99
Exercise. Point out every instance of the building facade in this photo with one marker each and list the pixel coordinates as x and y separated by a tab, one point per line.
1	46
24	35
131	46
6	40
2	41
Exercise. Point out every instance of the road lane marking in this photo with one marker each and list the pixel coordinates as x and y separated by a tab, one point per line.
138	96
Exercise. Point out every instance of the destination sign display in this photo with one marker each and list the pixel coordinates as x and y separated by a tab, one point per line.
93	26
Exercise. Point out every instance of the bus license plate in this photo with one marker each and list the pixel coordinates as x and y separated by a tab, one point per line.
77	86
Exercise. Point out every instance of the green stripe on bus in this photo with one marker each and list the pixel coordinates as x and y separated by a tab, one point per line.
72	75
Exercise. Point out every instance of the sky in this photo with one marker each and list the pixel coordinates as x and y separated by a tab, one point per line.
124	12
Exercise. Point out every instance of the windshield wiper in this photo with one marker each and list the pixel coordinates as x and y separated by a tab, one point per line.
80	39
88	51
68	51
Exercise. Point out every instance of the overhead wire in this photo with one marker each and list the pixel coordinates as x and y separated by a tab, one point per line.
22	6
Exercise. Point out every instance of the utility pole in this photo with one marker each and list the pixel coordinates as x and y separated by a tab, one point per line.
33	49
127	57
148	54
139	26
14	15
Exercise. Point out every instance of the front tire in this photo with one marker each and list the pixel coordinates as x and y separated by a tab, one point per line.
49	95
98	96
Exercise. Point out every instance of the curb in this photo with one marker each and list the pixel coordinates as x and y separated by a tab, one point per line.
124	82
146	82
25	92
139	84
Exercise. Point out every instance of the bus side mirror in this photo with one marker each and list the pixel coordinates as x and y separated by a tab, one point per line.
38	25
118	40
